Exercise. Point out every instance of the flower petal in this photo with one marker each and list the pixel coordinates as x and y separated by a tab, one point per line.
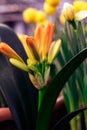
53	51
6	50
37	80
23	39
31	45
47	38
80	5
43	37
38	35
68	11
81	15
19	64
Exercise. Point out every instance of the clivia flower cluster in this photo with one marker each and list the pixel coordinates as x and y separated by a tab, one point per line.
40	50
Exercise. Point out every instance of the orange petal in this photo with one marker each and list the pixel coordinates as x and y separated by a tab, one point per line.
6	50
31	44
47	37
43	37
38	35
23	39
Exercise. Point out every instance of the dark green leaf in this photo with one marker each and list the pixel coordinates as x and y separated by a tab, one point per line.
20	86
11	94
54	89
65	120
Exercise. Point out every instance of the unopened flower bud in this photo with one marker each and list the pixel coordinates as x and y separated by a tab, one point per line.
68	12
53	51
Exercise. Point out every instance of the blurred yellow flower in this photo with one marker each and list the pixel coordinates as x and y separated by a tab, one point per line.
80	5
29	15
70	13
62	19
49	9
44	22
53	2
40	16
33	15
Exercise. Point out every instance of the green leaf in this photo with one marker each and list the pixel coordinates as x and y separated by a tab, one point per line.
54	89
11	94
19	93
65	120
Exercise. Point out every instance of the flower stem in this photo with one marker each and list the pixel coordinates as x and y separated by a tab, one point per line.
40	96
76	123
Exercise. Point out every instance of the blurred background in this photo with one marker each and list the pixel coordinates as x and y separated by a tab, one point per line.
11	13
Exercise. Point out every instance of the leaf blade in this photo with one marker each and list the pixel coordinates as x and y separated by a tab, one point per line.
64	121
53	90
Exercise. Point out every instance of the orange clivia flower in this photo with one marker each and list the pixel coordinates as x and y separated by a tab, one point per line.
40	51
43	37
38	46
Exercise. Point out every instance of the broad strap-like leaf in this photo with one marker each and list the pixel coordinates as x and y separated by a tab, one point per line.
54	89
17	96
65	120
9	36
26	91
9	90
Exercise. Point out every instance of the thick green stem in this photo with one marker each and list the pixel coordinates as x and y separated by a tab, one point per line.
85	116
73	124
76	123
40	96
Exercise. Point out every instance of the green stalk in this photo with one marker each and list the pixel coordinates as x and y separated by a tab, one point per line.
85	116
40	96
75	123
43	69
73	24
